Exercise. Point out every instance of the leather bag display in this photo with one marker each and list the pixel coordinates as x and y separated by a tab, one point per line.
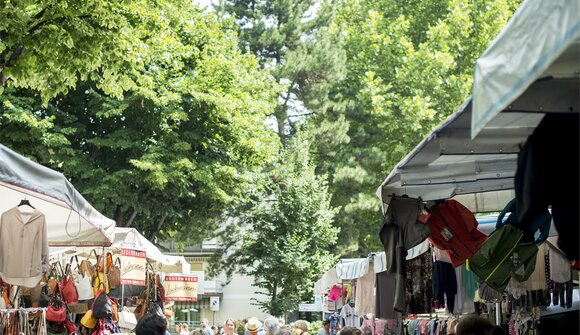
102	305
114	274
56	311
508	252
88	320
127	319
83	277
68	287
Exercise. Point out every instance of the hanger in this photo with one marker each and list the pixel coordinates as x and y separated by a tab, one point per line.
25	202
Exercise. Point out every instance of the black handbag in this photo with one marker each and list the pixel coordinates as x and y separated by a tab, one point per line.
102	305
44	300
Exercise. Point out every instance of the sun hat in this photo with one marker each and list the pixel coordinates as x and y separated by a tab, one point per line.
253	324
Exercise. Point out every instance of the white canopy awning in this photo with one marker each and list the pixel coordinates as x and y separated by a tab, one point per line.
541	41
131	238
71	220
326	282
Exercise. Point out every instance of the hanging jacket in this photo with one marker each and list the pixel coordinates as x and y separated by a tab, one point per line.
454	229
23	247
401	231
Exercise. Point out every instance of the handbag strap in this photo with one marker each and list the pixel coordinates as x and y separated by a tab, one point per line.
75	258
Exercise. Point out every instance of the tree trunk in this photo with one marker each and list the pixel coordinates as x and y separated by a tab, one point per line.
119	215
159	224
131	218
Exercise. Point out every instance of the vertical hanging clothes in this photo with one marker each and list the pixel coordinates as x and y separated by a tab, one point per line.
463	301
401	231
349	317
552	150
23	247
364	294
385	298
445	285
420	284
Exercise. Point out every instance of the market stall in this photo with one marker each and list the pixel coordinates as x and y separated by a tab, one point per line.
40	207
517	138
70	219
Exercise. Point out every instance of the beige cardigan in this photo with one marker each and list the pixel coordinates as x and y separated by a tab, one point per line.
23	247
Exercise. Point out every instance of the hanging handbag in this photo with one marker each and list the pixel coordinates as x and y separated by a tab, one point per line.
71	328
114	274
56	311
82	280
100	283
68	287
127	319
88	320
102	305
54	328
141	307
44	299
102	262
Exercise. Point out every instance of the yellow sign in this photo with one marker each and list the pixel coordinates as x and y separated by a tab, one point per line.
180	288
133	264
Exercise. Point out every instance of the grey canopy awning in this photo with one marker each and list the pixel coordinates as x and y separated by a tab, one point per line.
71	220
533	68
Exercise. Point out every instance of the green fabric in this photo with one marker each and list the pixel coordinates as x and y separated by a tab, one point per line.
494	262
469	280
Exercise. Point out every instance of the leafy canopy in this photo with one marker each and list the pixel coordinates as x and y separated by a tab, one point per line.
161	125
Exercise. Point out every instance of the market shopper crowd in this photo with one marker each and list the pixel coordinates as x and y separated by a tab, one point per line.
157	325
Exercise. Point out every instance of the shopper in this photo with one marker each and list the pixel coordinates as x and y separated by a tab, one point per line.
229	327
151	324
348	330
476	325
325	327
301	327
184	329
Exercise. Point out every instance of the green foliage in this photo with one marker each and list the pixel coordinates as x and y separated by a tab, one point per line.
284	234
409	66
295	41
166	155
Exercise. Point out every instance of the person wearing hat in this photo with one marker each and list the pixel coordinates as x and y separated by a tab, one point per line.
253	326
325	328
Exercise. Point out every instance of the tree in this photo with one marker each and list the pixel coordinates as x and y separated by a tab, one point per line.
295	41
409	66
169	155
48	46
284	233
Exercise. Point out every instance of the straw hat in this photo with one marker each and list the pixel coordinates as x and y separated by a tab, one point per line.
253	324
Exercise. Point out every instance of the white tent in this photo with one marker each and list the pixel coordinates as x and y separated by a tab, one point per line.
71	220
131	238
541	41
530	69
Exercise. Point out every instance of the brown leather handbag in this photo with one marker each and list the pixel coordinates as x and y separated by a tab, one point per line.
115	274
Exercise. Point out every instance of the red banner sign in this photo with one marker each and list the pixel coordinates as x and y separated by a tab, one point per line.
180	288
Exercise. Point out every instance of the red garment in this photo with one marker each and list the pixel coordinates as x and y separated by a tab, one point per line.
335	292
454	229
